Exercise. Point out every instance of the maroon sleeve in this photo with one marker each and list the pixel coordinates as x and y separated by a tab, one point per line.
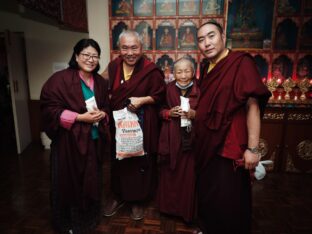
249	83
157	86
52	105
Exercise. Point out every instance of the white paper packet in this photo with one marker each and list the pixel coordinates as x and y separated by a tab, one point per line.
91	105
185	106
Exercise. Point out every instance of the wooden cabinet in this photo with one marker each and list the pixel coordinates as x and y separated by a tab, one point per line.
286	138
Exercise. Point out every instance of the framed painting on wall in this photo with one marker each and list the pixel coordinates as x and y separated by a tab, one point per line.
249	23
121	8
187	36
288	7
286	35
165	7
117	29
143	7
187	7
165	63
304	67
146	33
212	7
165	36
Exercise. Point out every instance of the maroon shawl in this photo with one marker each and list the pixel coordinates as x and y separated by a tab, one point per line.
74	147
224	91
146	80
170	134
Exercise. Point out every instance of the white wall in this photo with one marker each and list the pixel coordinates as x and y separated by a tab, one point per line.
45	44
98	23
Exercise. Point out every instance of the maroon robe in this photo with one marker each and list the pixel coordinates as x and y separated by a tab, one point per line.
224	195
133	179
76	158
224	91
176	189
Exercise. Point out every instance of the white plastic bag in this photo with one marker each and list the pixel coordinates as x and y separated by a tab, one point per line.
260	169
129	135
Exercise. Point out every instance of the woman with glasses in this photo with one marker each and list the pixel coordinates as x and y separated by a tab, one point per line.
74	105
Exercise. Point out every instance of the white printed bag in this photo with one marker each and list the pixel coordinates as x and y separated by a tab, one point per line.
260	171
129	135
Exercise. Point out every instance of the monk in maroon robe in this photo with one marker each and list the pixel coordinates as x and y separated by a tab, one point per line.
138	84
78	139
227	129
176	189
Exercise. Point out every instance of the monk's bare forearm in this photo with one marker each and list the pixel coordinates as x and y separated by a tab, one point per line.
251	155
140	101
253	122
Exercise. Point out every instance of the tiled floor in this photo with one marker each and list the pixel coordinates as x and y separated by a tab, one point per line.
282	202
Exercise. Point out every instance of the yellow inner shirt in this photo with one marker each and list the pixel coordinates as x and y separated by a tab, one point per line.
213	64
127	74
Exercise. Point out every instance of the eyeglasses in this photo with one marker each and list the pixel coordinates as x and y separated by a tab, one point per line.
88	56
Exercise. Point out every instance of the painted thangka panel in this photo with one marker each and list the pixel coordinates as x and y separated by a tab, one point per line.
117	28
143	7
187	7
144	29
288	7
249	23
187	36
165	7
165	63
304	67
165	36
121	8
212	7
286	35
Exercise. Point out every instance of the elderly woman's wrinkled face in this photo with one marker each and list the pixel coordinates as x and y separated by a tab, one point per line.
183	72
88	59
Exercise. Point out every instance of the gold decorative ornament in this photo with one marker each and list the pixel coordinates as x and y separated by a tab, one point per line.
263	147
288	85
274	116
272	84
304	150
294	116
304	86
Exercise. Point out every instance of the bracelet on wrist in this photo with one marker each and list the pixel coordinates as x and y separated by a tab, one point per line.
254	150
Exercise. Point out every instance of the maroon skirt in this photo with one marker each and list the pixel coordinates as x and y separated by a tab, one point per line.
224	198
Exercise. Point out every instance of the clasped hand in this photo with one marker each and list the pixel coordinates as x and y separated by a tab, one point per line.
91	116
178	112
135	104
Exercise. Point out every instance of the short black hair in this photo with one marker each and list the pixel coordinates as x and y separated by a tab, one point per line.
84	43
215	23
